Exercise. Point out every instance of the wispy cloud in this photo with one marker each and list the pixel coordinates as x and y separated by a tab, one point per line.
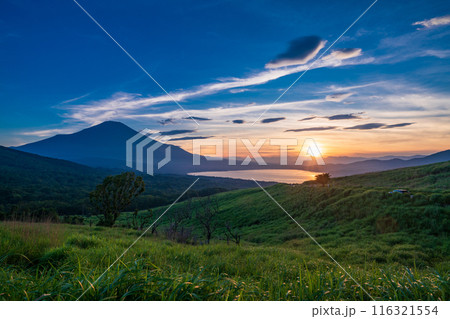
350	116
123	105
434	22
188	138
371	126
177	132
338	97
309	129
397	125
308	118
49	132
342	54
197	118
368	126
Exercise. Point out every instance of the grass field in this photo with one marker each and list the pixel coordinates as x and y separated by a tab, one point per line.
395	245
71	258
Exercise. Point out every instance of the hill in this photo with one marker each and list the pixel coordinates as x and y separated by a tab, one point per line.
34	183
434	176
356	216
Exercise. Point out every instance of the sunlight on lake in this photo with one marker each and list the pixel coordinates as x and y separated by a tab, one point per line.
289	176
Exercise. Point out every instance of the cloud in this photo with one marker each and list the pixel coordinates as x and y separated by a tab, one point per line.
335	88
273	119
49	132
371	126
308	118
300	51
308	129
350	116
342	54
187	138
368	126
238	121
441	54
166	122
338	97
122	105
434	22
177	132
234	91
196	118
397	125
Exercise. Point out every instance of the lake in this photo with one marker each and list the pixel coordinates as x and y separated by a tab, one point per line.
289	176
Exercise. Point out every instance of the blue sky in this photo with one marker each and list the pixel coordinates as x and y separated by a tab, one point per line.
383	82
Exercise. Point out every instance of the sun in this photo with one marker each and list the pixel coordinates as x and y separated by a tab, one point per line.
316	150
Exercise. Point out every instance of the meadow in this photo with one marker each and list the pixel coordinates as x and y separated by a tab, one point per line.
395	245
60	263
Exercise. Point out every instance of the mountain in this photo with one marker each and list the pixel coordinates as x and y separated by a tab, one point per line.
376	165
349	159
30	182
103	145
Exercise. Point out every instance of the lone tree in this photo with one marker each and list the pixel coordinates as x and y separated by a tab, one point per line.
323	179
232	233
116	193
206	216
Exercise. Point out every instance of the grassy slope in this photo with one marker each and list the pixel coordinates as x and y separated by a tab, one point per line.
358	222
394	245
434	176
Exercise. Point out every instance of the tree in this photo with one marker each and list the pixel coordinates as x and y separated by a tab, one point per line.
232	233
176	230
323	178
115	194
206	216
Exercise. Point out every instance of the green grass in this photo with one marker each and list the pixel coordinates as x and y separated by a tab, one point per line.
157	269
394	245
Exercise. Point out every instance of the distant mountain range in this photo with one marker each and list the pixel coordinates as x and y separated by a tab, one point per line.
103	146
376	165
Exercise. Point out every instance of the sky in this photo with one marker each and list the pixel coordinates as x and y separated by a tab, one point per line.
379	85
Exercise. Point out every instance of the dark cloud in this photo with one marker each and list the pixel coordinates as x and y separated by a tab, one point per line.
300	51
190	138
166	122
350	116
273	119
368	126
238	121
177	132
197	118
318	128
397	125
308	118
371	126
